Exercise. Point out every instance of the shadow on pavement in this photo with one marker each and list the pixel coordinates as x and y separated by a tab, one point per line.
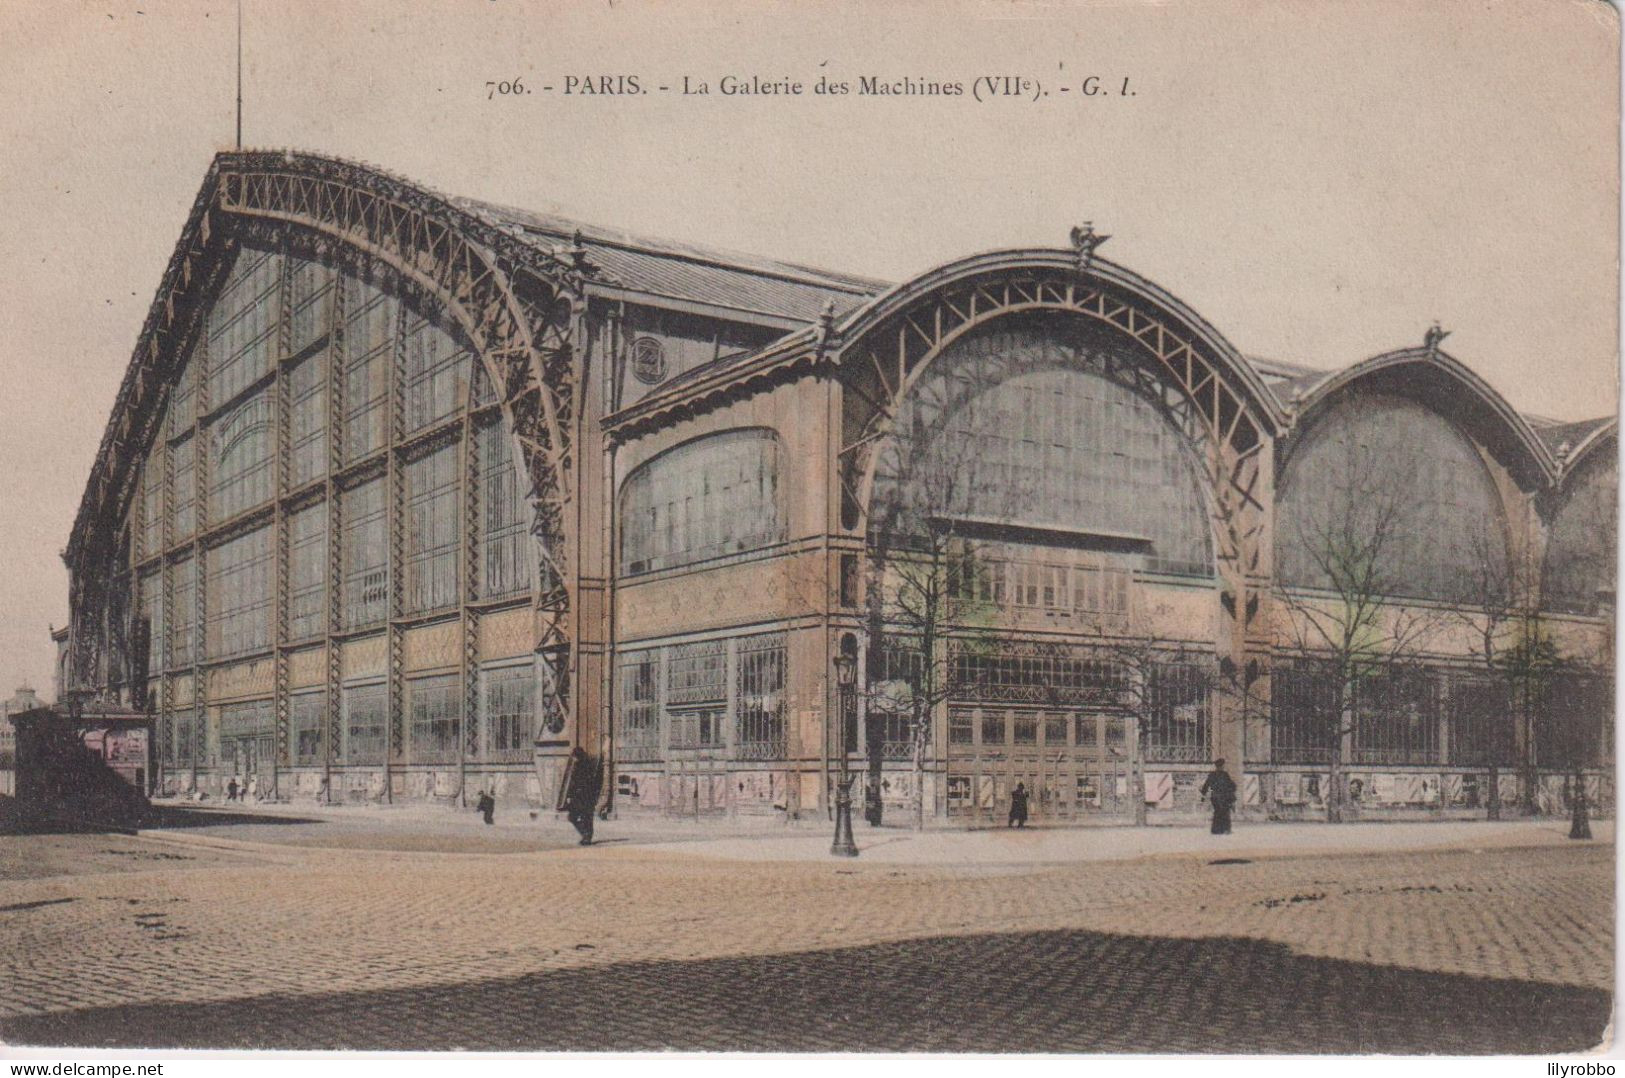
170	817
64	821
1063	991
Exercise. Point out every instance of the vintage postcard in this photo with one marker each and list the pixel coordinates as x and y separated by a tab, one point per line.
842	527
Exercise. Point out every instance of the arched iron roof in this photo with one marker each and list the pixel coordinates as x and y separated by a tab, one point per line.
1096	271
1443	383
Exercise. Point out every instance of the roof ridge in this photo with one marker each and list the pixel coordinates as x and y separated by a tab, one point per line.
746	261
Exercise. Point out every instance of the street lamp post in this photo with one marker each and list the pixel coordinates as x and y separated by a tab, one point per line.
846	675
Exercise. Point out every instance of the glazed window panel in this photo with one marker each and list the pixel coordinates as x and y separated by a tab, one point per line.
1041	673
152	503
1397	719
435	706
891	731
995	728
239	595
1024	727
1386	490
307	572
759	728
1032	424
183	467
252	719
1580	552
307	727
365	724
1481	723
183	584
637	735
312	286
696	728
1574	722
185	744
508	697
152	609
240	442
243	323
183	398
1176	712
716	496
504	517
1304	715
307	431
369	344
366	555
697	673
436	374
433	535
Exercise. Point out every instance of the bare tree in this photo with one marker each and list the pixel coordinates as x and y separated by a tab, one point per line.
1515	645
1348	559
1500	611
930	594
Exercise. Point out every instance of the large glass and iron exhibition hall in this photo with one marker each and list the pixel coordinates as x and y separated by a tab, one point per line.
405	496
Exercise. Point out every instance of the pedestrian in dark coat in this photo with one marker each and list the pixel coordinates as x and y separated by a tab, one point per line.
1220	790
231	790
487	806
1018	806
581	797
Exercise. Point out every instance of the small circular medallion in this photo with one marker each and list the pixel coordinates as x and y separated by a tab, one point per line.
648	360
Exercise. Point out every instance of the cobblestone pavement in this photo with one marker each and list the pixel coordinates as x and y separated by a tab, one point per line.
638	947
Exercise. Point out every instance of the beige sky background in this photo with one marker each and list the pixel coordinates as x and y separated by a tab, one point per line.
1319	180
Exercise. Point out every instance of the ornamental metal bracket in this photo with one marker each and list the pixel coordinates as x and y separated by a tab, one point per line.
824	331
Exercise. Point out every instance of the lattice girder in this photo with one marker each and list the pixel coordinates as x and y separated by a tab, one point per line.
1191	387
516	303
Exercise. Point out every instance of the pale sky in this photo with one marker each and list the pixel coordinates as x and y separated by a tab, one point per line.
1319	180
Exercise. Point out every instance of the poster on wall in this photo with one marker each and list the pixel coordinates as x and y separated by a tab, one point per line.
1289	787
1159	788
897	786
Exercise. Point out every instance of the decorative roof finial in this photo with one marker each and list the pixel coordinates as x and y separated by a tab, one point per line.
578	250
826	326
1433	338
1084	241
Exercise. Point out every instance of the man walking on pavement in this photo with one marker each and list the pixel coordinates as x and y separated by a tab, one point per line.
1220	790
584	784
1018	806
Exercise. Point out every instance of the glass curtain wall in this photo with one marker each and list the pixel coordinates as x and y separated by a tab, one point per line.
300	359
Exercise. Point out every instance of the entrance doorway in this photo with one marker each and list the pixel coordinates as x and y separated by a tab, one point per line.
250	761
1074	763
696	784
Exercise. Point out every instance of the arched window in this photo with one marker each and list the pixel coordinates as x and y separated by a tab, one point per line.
1031	429
1580	549
242	462
711	497
1388	476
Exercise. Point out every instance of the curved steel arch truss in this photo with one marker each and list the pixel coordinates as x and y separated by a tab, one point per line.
1166	366
519	308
